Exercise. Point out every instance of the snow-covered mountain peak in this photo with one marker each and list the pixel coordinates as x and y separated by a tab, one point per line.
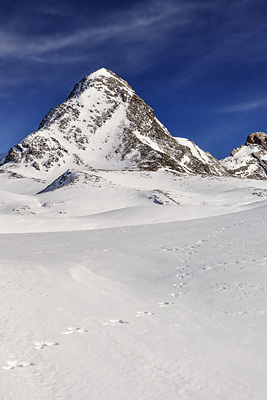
101	72
104	78
103	124
249	160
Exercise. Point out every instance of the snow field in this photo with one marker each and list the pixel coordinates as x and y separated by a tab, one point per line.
172	305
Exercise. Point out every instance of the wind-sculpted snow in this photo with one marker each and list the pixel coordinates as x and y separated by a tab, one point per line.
132	284
99	198
147	312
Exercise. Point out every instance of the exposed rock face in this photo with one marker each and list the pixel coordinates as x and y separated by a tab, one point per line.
257	138
249	160
103	124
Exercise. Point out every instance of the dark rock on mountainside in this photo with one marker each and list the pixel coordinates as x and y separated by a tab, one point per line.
259	138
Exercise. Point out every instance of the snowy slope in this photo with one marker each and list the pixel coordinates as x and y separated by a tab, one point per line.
153	311
250	160
88	200
103	124
132	284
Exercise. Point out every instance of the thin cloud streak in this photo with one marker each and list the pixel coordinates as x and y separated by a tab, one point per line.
250	106
134	38
14	46
144	30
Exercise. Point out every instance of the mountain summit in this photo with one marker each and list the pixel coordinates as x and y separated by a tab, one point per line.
103	124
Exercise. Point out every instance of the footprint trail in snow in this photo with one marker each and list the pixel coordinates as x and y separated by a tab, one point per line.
75	329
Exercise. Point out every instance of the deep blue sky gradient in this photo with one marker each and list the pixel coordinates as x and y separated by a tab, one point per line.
200	64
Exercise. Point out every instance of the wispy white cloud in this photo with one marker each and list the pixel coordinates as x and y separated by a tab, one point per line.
133	38
187	32
131	26
247	106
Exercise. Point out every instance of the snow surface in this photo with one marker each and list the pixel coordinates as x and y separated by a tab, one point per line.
133	285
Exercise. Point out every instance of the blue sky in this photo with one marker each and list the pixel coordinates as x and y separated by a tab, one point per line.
201	65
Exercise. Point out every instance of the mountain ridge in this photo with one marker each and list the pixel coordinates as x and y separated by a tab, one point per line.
104	124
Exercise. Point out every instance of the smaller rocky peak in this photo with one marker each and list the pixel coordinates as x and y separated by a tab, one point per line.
259	138
250	159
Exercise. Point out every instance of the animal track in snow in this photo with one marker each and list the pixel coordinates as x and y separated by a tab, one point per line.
15	364
74	329
165	304
42	345
182	276
207	267
115	322
143	313
179	284
176	294
183	267
170	249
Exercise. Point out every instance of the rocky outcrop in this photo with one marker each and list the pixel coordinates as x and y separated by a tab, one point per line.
249	160
259	138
